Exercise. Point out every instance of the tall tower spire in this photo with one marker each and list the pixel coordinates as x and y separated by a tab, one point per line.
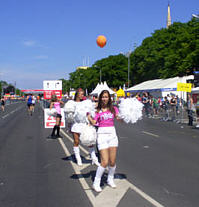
168	17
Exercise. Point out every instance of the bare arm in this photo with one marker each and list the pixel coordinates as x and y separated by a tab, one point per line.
92	121
60	101
118	118
51	105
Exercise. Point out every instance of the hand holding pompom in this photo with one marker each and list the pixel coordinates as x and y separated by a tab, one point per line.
52	112
130	110
69	106
82	108
88	135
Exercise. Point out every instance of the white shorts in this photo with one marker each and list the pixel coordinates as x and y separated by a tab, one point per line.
77	127
106	137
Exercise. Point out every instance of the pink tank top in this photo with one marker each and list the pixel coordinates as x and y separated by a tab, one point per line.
57	107
105	119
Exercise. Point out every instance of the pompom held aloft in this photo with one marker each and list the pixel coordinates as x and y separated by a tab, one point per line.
130	110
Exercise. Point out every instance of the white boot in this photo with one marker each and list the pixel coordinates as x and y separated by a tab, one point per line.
77	156
110	180
93	156
96	185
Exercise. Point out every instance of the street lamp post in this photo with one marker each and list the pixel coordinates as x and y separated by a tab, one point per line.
129	67
128	56
100	75
95	66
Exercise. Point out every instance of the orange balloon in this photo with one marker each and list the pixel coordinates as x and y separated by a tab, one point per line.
101	41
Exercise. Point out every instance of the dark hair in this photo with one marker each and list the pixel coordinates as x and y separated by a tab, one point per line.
77	93
53	98
109	104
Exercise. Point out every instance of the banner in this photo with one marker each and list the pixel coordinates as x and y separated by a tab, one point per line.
50	121
48	94
51	87
184	87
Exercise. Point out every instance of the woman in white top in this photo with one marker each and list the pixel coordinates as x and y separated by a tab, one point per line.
76	130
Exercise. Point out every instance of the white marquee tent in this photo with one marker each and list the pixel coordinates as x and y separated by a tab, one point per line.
160	87
100	87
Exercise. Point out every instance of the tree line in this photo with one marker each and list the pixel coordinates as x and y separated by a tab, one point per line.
166	53
8	88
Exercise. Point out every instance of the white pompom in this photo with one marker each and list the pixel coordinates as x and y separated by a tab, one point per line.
81	110
88	135
69	106
130	110
52	112
69	117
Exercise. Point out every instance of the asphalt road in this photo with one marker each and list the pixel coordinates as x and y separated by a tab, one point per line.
157	165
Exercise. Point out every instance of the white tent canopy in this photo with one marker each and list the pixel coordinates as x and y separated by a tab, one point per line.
100	87
195	90
169	84
161	87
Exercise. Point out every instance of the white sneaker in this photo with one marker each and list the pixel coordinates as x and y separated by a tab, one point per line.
111	183
197	126
97	188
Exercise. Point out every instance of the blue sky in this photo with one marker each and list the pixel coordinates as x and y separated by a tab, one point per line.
47	39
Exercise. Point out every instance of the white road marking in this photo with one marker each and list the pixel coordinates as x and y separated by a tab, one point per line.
78	173
3	117
151	134
84	150
108	197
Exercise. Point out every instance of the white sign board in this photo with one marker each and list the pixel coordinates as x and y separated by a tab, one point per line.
50	121
52	85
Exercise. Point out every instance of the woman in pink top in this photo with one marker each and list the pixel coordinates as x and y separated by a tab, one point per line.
107	138
55	102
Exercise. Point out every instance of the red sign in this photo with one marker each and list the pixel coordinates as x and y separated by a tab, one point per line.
48	93
50	121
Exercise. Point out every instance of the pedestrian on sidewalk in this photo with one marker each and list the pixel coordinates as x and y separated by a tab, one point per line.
107	139
55	102
29	104
190	110
3	104
173	103
145	101
197	112
76	131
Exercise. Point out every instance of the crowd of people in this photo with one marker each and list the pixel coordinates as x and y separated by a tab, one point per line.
169	107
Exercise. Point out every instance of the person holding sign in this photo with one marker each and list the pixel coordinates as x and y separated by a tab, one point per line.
55	102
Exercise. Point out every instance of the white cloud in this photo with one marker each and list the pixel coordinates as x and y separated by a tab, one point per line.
29	43
33	43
